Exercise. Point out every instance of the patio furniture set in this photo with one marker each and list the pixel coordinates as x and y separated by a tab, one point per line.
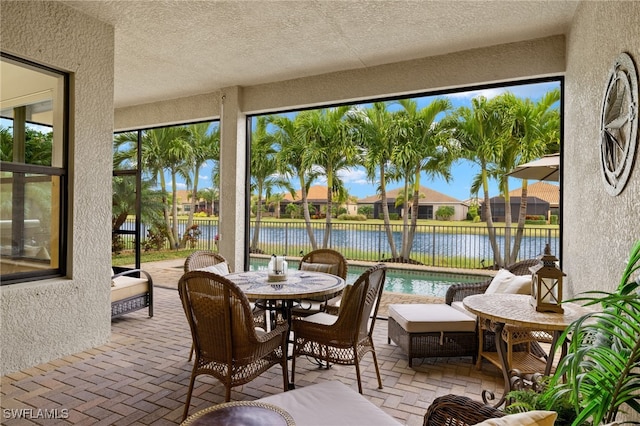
235	340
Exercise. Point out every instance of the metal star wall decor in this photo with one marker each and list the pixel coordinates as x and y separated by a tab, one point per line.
619	124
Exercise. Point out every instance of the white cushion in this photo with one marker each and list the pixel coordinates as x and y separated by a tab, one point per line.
428	318
459	306
528	418
506	282
322	318
221	268
330	403
125	287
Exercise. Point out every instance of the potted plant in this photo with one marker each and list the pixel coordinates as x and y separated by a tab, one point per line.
600	375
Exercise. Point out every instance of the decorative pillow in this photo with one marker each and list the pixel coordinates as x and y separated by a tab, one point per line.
329	268
506	282
221	268
529	418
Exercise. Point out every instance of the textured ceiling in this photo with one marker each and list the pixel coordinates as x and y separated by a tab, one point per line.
171	49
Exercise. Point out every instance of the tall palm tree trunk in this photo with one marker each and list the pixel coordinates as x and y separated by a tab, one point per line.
385	213
307	215
521	222
488	217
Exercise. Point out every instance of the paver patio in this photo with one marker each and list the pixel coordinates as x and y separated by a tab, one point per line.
141	375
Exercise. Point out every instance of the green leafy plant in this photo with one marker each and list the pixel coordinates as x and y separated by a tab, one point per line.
536	399
600	375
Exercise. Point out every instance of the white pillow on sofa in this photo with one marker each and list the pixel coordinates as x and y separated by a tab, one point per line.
506	282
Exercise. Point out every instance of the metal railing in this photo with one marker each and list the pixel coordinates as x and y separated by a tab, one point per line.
433	245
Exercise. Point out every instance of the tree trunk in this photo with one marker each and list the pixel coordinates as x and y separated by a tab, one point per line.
385	213
521	222
307	216
497	258
256	231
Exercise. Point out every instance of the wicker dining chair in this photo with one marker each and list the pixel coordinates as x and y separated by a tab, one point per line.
227	345
203	259
322	260
347	337
455	410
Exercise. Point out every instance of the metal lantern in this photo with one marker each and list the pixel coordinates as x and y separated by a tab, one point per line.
546	284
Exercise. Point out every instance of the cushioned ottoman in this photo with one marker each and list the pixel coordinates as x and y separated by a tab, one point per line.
432	330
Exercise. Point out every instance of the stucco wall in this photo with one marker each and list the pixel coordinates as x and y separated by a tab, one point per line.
598	229
44	320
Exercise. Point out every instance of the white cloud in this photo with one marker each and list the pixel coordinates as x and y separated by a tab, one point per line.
353	175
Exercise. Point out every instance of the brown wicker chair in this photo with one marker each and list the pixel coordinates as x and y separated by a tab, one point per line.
347	337
226	343
202	259
322	260
454	410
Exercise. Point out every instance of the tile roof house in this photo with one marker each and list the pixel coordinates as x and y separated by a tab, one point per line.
317	197
428	204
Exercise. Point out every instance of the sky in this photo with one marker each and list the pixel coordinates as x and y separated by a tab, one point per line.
463	172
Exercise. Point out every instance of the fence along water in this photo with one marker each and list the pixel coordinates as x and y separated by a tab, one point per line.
433	245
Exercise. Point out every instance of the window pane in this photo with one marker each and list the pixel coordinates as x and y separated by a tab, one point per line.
32	115
29	222
32	151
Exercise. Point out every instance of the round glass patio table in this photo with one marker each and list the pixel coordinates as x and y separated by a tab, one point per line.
240	413
516	311
297	285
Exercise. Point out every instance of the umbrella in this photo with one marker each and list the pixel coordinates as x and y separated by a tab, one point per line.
545	168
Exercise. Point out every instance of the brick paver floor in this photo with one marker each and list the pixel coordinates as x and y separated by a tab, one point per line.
141	375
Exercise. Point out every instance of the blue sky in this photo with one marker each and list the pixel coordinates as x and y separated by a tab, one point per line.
462	173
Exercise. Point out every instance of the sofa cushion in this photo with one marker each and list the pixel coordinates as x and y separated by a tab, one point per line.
506	282
330	403
528	418
459	306
125	287
428	318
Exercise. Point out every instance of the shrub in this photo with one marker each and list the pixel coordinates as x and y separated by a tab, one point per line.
445	212
359	217
366	210
553	220
394	216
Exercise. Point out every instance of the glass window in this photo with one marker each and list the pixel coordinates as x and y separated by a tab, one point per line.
33	174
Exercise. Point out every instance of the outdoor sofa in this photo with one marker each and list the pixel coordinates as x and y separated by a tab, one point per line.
447	330
131	290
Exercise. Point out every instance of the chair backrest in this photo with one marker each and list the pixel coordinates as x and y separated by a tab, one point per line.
359	307
219	315
325	260
522	267
202	259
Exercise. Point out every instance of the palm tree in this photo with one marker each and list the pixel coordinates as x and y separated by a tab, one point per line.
529	129
377	143
205	143
292	162
331	147
168	149
264	168
422	148
476	130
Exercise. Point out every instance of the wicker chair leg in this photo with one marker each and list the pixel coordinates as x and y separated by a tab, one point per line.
189	392
293	364
375	363
191	353
358	369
